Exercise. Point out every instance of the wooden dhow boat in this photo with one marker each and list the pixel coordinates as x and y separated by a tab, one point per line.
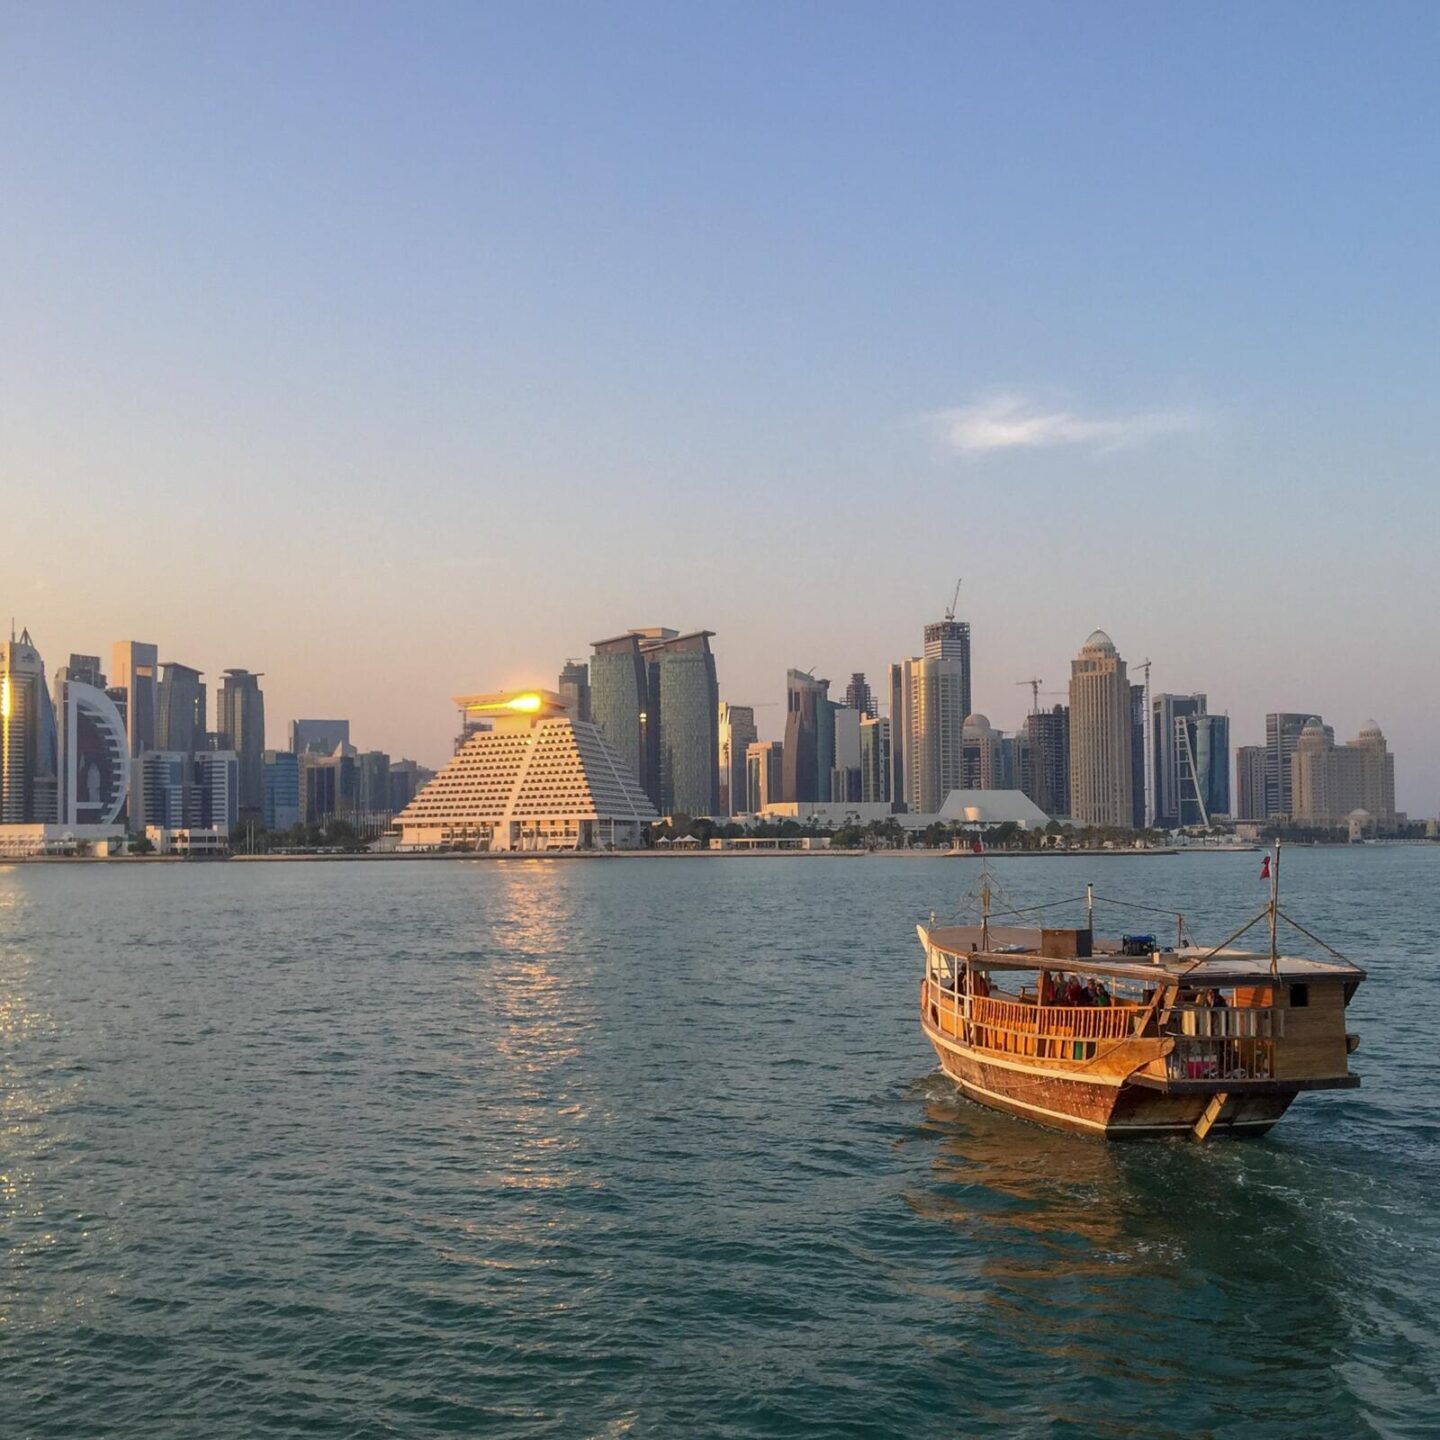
1130	1038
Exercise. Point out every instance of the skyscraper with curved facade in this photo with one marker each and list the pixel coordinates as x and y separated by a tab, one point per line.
1101	778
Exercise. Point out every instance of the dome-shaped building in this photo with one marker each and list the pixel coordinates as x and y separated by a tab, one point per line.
982	755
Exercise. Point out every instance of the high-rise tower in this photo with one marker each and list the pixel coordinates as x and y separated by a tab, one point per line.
807	713
240	726
180	712
135	669
949	639
737	734
29	780
1101	779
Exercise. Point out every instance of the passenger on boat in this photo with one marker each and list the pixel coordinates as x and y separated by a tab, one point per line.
1098	994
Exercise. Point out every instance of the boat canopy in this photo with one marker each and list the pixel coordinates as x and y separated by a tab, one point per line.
1012	947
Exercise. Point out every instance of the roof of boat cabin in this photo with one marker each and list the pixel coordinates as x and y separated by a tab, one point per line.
1016	948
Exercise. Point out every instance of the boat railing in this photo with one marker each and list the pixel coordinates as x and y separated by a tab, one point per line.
1235	1042
1042	1032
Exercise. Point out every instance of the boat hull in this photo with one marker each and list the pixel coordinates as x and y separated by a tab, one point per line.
1116	1107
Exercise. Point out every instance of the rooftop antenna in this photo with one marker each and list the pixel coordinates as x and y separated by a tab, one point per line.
954	600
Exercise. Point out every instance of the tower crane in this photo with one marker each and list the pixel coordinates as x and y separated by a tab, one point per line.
954	600
1034	685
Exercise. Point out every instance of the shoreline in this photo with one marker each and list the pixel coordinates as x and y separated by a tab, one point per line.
504	856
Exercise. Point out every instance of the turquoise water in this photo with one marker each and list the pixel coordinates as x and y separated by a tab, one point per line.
655	1148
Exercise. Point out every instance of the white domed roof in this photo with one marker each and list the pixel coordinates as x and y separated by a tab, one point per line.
977	724
1313	726
1099	640
1372	731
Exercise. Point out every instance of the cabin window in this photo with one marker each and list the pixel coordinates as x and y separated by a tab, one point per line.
1299	997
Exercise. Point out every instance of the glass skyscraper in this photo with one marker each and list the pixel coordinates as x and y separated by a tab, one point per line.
620	701
1202	746
808	717
241	728
684	689
29	763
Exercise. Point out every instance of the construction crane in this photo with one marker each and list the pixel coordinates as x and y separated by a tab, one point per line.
1034	685
954	600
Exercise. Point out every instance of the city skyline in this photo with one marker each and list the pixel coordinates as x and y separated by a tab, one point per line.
578	284
1229	787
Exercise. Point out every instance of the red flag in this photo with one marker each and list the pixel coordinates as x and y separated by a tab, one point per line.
976	847
1265	868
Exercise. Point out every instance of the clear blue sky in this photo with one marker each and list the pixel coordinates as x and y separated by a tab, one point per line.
399	351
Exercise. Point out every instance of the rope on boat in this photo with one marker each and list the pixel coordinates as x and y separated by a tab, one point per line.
1310	935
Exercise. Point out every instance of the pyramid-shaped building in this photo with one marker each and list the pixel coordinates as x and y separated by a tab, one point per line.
530	777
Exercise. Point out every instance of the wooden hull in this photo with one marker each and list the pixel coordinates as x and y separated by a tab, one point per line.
1113	1105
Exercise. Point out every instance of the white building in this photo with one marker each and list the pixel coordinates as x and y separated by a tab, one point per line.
538	779
200	840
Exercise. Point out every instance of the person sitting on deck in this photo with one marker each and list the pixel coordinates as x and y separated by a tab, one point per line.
981	985
1099	995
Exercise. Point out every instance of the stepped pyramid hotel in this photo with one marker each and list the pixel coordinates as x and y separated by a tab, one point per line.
529	776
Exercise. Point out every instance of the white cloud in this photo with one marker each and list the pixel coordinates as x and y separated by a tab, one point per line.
1008	421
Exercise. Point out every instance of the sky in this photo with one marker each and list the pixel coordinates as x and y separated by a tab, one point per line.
399	352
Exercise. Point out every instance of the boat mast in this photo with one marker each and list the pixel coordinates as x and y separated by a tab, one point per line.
985	911
1274	911
1090	911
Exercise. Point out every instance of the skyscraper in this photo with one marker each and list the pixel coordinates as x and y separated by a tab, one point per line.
859	696
217	797
1164	711
899	684
407	779
1138	726
318	737
29	762
684	696
1250	782
240	726
1282	733
620	703
93	753
134	668
936	696
807	709
575	687
1047	760
949	639
737	734
875	766
1202	763
764	775
1101	764
280	771
180	709
846	781
86	669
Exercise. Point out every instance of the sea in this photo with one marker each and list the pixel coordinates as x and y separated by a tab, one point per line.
654	1147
